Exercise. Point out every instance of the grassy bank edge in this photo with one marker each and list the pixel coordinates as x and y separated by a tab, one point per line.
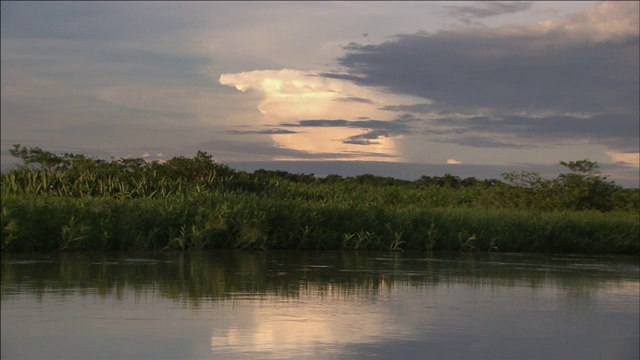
219	220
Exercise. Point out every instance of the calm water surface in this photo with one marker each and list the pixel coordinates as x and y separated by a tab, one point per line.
319	305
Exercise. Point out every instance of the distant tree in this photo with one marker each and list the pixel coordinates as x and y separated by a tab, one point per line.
524	179
36	156
198	168
584	187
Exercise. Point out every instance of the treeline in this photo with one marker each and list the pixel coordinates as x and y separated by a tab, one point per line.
71	201
73	175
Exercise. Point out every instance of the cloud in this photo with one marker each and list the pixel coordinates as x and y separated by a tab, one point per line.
574	79
453	161
414	108
606	21
354	99
376	129
486	142
264	132
515	67
497	71
391	125
482	9
338	114
261	151
625	158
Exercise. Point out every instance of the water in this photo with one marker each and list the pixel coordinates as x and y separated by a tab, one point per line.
319	305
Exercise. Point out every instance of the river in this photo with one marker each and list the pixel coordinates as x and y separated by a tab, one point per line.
319	305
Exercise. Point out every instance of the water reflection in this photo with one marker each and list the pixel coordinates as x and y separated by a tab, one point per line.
320	305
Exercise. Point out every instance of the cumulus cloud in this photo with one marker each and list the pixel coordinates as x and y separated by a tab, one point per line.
324	107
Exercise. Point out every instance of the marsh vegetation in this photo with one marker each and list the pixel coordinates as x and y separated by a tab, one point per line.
74	202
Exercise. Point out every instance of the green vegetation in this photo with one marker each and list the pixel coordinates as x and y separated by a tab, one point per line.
72	202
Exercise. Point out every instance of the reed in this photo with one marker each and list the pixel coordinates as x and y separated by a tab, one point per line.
215	220
194	204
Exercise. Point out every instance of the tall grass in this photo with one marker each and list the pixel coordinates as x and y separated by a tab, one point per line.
246	221
195	204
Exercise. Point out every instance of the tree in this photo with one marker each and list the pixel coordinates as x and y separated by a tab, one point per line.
36	156
524	179
584	187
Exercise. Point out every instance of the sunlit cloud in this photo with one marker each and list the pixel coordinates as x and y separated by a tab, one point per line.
625	158
290	97
608	20
453	161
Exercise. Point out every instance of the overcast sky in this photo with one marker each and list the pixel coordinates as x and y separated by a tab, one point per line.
400	89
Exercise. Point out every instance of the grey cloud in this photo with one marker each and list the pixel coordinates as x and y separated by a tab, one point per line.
414	108
368	137
482	9
396	126
354	99
483	141
358	140
78	20
265	132
319	123
615	130
377	128
609	125
494	69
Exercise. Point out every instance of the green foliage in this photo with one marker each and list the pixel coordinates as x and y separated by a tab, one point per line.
77	203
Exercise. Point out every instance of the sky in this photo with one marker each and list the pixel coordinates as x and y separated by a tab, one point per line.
400	89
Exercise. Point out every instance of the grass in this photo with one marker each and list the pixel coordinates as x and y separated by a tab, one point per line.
78	203
241	220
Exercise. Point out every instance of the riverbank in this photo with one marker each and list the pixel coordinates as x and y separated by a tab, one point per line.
222	220
72	202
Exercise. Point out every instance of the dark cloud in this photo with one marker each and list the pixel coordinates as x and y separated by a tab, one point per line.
359	140
525	71
614	130
483	142
414	108
393	125
354	99
510	73
377	128
483	9
368	137
264	132
319	123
